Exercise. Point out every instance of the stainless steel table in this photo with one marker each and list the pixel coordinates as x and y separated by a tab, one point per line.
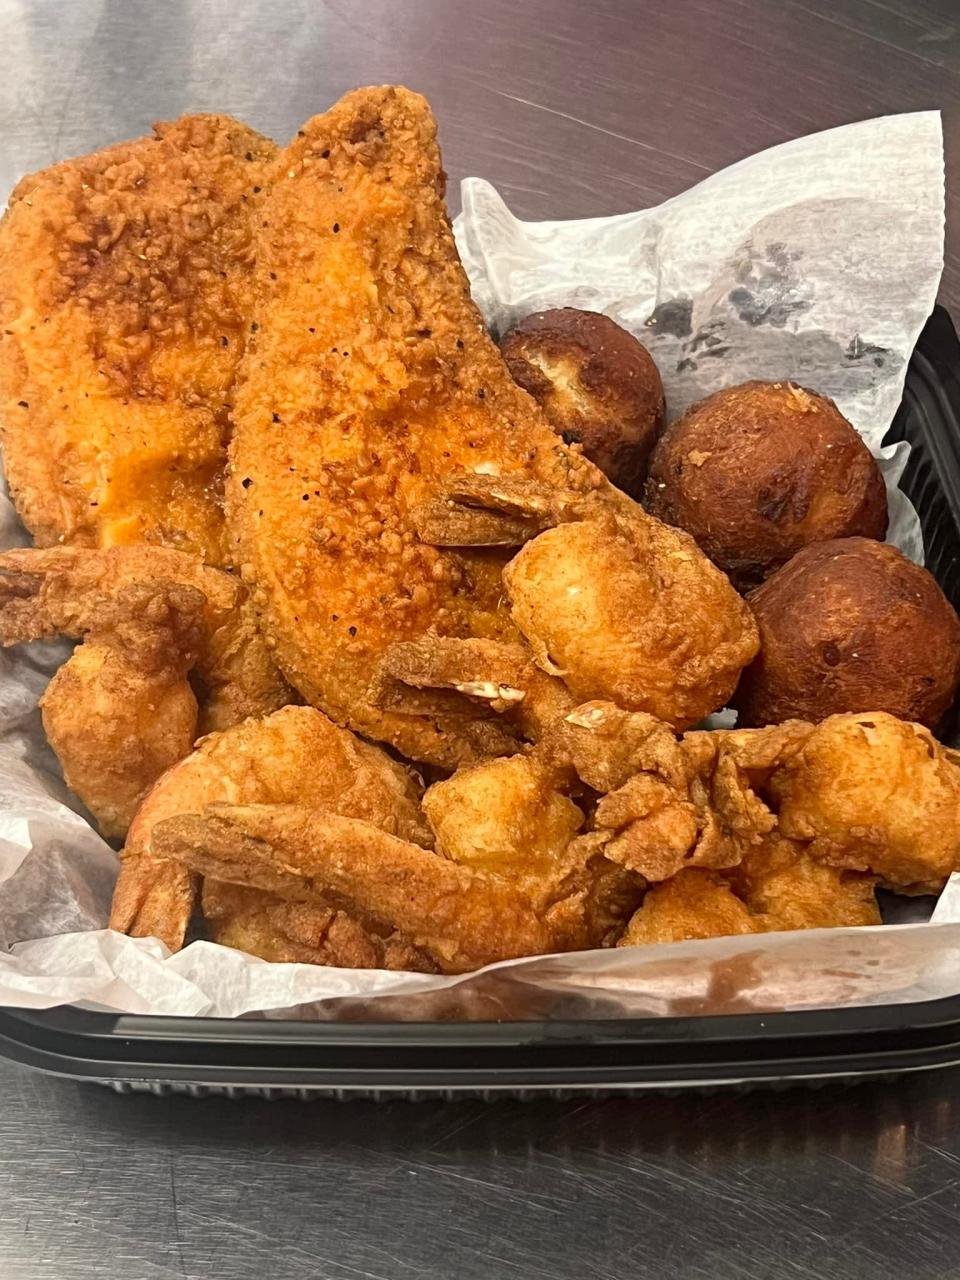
573	109
861	1183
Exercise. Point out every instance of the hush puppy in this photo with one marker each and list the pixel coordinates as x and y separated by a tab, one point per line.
757	471
851	625
597	385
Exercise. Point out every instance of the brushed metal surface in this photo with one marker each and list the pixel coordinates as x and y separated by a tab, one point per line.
572	109
854	1183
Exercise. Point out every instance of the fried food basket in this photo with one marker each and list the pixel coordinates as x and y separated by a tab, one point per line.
530	1053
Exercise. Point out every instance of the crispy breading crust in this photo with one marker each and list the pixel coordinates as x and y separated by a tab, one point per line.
295	756
120	711
72	591
779	887
371	383
873	793
302	932
462	918
124	300
627	609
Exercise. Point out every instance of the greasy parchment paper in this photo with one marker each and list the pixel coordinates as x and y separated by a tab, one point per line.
819	261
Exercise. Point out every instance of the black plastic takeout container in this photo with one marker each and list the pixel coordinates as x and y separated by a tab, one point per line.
489	1048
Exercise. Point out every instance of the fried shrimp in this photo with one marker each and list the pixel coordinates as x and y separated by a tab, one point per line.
295	756
342	864
123	709
461	917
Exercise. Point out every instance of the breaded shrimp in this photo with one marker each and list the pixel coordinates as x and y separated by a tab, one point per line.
295	756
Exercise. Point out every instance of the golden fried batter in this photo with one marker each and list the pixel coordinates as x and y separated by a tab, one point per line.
604	746
859	798
121	711
656	828
503	815
873	793
666	803
371	388
461	917
301	932
68	591
510	818
483	510
370	381
778	886
295	756
695	903
627	609
551	850
124	307
790	889
512	833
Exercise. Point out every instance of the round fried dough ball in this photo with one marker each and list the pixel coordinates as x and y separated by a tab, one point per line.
597	385
630	611
757	471
847	626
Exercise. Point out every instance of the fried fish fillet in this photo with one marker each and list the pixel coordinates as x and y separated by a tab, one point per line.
370	379
373	411
125	281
